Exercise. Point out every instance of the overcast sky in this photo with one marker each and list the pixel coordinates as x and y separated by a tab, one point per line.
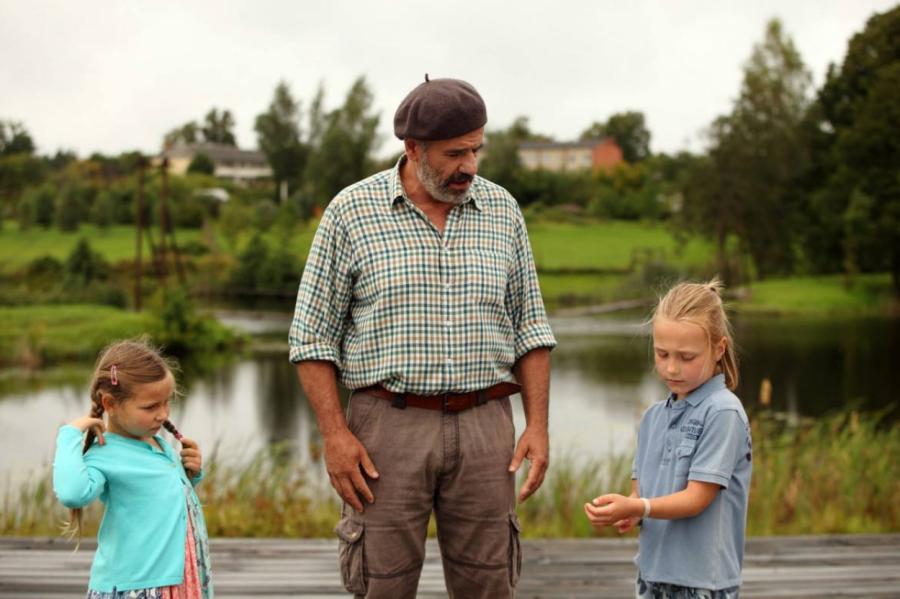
116	75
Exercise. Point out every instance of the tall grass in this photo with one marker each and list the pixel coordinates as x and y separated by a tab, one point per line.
840	474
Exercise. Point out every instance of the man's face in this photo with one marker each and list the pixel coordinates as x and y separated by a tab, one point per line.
446	167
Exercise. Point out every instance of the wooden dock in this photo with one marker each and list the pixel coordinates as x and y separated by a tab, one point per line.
812	566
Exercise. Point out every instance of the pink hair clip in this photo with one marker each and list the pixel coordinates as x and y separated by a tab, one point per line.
113	375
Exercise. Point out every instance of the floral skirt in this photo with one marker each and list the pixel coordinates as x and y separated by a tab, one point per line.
197	582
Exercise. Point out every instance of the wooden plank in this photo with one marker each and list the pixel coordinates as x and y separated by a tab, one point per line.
813	566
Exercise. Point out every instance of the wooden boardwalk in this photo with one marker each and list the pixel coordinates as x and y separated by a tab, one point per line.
813	566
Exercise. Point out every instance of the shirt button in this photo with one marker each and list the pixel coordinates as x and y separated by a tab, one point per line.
449	360
447	323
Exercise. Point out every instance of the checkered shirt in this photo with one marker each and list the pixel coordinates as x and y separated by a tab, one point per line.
390	300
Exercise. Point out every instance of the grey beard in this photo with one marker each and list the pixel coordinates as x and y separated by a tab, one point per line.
432	183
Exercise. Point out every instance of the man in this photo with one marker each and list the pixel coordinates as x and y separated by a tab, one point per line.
420	293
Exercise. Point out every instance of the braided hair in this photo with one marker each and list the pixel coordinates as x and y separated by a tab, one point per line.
120	367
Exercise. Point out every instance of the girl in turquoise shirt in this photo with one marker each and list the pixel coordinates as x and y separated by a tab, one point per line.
152	542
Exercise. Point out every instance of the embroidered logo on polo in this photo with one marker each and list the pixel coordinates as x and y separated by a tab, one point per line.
692	429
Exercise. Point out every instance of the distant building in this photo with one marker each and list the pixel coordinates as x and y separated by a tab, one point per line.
230	162
594	154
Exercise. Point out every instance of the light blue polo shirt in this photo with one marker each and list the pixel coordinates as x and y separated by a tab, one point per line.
704	437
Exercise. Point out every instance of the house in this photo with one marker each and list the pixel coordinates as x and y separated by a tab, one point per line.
230	162
595	154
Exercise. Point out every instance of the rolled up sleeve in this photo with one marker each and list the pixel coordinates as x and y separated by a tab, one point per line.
524	302
324	295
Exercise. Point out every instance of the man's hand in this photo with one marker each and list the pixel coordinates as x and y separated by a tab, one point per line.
533	445
344	455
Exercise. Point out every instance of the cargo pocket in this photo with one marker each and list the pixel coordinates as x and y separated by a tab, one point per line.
351	550
515	550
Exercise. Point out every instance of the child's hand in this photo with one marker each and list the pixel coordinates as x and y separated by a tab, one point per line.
607	510
190	457
86	423
626	525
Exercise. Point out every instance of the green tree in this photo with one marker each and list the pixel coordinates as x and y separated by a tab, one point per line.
218	127
500	160
748	187
84	265
188	133
15	139
629	129
341	153
202	164
278	136
854	182
38	206
70	208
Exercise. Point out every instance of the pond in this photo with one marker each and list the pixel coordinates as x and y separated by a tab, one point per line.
602	381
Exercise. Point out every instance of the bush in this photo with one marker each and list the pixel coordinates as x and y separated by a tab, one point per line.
84	266
181	331
38	206
69	209
259	269
202	164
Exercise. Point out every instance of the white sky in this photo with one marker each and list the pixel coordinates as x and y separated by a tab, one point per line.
116	75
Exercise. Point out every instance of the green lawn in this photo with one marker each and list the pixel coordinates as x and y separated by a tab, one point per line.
18	248
610	245
819	295
35	335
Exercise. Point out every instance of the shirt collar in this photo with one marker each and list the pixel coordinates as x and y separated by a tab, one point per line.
696	397
474	197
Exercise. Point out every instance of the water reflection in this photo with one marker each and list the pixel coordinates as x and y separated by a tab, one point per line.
602	381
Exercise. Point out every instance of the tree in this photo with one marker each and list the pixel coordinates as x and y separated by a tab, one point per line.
748	186
84	265
218	127
500	162
341	154
14	139
202	164
278	135
628	129
854	183
189	133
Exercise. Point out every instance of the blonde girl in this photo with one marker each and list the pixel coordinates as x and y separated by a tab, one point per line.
691	472
152	542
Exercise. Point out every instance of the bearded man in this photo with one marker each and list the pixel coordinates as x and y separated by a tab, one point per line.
420	296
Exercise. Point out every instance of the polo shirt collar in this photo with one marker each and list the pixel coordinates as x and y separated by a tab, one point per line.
696	397
474	197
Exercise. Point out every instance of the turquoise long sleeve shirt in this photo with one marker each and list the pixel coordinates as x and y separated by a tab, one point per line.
142	536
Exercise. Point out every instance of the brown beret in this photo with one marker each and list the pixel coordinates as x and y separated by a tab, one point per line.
439	109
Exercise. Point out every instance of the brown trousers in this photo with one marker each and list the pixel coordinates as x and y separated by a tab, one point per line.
454	464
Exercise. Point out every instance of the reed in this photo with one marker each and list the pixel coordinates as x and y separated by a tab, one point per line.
837	474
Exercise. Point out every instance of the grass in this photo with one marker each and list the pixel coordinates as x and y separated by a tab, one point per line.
820	295
115	243
559	290
37	335
610	246
832	476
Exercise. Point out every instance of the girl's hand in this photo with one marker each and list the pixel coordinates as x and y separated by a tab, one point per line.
190	457
626	525
86	423
607	510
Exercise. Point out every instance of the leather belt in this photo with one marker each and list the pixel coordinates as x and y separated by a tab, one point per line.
446	402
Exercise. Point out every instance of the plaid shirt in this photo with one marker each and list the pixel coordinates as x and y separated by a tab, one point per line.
390	300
